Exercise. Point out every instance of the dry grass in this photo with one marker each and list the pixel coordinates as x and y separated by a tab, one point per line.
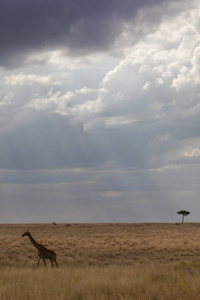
101	244
111	282
102	261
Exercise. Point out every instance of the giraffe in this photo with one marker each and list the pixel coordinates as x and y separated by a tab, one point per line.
43	252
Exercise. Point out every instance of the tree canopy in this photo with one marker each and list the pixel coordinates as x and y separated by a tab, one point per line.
184	213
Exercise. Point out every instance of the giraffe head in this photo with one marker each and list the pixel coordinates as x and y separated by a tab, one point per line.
27	233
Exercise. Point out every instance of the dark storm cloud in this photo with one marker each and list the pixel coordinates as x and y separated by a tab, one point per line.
27	26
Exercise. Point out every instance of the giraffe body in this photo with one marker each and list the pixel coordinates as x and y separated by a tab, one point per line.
43	252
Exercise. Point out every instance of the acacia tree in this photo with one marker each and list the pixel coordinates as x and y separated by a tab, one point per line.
184	213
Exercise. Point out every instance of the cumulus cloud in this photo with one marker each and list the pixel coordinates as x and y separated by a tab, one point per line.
22	79
194	153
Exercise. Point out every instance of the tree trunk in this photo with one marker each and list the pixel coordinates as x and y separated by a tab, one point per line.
182	219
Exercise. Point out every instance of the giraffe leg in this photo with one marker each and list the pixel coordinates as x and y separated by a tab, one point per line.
57	264
51	262
54	260
44	261
39	260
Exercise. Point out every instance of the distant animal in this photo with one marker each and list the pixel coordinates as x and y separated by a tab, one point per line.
43	252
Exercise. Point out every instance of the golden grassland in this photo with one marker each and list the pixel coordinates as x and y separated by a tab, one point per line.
102	261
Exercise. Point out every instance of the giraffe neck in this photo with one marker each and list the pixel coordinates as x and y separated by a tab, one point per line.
38	246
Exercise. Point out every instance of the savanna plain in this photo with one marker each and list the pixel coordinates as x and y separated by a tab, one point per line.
101	261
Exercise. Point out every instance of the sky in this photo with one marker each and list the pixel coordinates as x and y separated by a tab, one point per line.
99	110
